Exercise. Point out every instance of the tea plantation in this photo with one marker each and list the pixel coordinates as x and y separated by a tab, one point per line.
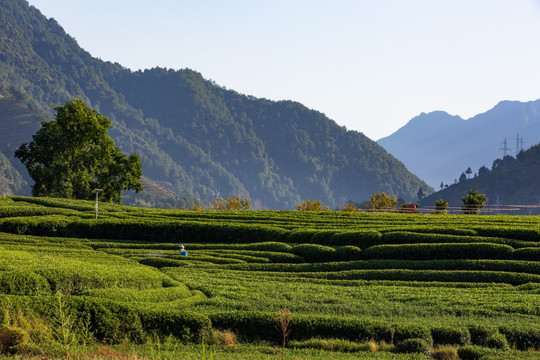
408	286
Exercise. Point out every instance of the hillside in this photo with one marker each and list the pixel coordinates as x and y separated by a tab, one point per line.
438	147
195	137
509	181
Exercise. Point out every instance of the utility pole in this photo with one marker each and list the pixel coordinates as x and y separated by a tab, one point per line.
97	191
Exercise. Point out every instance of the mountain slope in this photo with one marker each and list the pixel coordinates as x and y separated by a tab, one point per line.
439	147
511	181
195	137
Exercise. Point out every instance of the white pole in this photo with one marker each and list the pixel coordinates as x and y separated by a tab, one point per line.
97	191
97	204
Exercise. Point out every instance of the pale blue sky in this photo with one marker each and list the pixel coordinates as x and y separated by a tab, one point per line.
369	65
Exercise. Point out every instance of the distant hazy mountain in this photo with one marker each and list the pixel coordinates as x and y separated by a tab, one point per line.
438	147
194	137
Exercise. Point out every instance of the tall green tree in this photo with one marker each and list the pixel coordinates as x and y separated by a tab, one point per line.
473	202
72	155
382	202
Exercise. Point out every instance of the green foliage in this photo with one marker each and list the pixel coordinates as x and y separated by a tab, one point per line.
192	134
340	345
414	346
72	155
121	277
451	335
441	206
10	337
349	206
16	282
439	251
348	253
382	202
235	203
527	254
311	205
11	181
471	353
362	239
498	341
473	202
314	252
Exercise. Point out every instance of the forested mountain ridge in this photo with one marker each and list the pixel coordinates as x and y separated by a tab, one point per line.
509	181
195	137
438	147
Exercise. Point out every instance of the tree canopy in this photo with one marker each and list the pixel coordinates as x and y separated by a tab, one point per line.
473	202
382	201
72	155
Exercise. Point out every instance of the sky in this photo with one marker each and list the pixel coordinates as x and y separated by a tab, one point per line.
369	65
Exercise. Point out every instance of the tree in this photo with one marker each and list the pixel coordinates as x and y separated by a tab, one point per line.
72	155
442	185
235	203
382	201
468	172
473	202
349	206
483	170
311	205
441	206
462	177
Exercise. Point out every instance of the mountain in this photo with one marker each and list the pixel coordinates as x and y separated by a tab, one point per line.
510	181
194	137
438	147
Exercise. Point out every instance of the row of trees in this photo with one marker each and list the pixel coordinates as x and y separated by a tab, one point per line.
473	202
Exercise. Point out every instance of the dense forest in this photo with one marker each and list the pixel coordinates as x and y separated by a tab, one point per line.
194	137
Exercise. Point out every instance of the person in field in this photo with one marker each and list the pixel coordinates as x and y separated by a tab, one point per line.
183	250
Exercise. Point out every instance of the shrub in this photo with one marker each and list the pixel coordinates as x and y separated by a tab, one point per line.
15	282
498	341
213	336
10	337
532	254
445	353
362	238
439	251
268	246
314	252
322	237
471	352
409	237
480	334
522	338
340	345
301	236
348	253
414	345
450	335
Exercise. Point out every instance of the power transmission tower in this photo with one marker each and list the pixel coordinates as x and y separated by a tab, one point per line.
504	148
519	144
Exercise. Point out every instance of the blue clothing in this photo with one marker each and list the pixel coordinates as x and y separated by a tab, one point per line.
183	253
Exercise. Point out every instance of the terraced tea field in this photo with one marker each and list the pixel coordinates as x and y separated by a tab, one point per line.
401	282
